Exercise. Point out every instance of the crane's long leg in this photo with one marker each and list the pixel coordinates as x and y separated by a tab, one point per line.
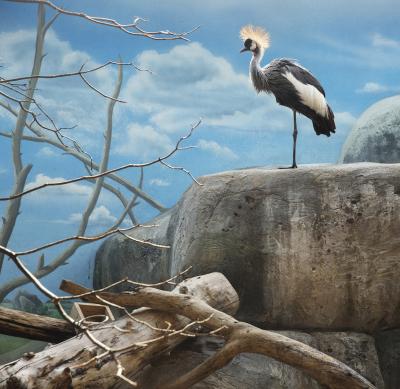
294	165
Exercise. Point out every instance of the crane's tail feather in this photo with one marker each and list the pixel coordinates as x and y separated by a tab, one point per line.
325	125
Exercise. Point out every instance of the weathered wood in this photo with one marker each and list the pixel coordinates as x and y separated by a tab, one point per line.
241	337
61	365
31	326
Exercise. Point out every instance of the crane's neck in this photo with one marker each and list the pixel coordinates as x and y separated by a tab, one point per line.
256	73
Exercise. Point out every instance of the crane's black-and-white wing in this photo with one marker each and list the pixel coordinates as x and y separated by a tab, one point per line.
295	87
302	74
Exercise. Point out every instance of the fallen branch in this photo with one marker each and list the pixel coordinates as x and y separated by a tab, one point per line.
240	337
81	363
31	326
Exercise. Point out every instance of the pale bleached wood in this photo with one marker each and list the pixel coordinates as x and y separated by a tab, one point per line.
240	336
58	366
31	326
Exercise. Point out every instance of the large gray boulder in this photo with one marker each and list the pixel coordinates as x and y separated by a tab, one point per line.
388	348
312	248
375	136
119	257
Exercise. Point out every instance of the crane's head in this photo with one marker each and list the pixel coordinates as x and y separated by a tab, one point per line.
255	39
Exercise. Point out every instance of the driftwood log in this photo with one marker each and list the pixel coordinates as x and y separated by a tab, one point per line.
63	365
32	326
198	298
240	337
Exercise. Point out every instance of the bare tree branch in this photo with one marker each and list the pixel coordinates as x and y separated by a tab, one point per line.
93	238
41	138
107	172
128	205
71	74
12	211
79	239
22	103
213	363
32	326
142	241
97	90
240	336
105	158
21	172
87	331
182	169
130	28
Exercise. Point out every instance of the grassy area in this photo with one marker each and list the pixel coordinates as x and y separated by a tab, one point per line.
9	343
12	348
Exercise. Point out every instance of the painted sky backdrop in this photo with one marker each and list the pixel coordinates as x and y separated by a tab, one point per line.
352	47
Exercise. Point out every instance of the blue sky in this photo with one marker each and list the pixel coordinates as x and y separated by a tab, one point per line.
352	47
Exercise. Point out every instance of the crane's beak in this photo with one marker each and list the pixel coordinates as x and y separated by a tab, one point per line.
244	49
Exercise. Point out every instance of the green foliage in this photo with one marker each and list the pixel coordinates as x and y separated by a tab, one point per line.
9	343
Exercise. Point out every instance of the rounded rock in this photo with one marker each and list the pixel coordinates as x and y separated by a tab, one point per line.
375	136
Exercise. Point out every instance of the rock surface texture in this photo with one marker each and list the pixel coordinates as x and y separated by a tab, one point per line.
375	136
249	371
388	347
314	249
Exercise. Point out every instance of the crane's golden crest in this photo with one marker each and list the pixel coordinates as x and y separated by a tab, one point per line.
257	34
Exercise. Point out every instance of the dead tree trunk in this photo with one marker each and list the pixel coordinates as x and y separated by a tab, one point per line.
31	326
64	364
76	362
240	337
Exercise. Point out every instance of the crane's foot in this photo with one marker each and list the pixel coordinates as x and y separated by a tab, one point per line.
294	166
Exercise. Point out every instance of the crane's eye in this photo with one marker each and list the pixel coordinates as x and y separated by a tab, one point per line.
247	43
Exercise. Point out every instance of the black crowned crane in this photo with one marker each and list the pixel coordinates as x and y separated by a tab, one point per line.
293	86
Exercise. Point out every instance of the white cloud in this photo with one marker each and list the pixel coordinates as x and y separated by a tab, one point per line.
3	170
372	87
379	40
144	141
378	53
159	182
14	46
46	152
344	120
375	87
56	192
191	82
74	218
100	216
216	149
67	100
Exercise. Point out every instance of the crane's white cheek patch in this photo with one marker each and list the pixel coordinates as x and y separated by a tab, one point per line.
309	95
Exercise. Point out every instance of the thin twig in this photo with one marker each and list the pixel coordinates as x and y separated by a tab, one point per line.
169	166
97	90
77	73
124	280
162	246
130	28
106	173
93	238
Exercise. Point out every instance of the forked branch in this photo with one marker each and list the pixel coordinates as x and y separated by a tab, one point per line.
110	171
240	337
132	28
